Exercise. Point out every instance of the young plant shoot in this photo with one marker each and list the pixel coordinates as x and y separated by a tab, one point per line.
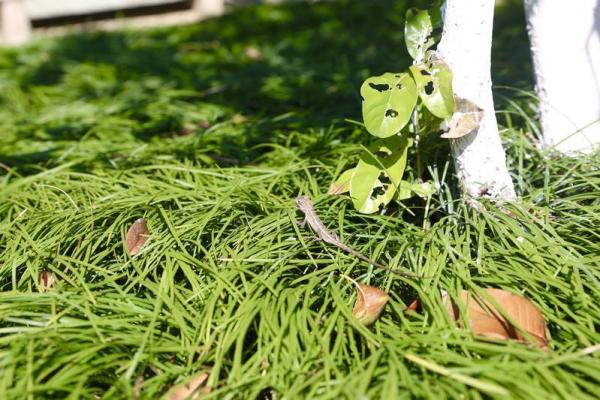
397	107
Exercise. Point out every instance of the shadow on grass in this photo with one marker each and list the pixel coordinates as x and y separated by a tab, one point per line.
314	56
310	62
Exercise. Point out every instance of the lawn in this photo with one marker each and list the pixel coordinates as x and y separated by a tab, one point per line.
209	132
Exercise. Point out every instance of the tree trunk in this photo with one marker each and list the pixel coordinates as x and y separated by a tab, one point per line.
565	45
466	47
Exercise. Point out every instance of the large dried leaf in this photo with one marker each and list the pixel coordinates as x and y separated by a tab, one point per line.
192	389
136	237
369	304
513	316
465	119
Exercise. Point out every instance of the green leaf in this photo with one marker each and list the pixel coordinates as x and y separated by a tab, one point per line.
379	174
409	189
434	85
342	184
423	189
404	191
418	31
388	102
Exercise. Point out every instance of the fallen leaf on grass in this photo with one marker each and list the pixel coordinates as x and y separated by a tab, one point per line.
253	53
369	303
485	319
47	281
192	389
514	317
136	237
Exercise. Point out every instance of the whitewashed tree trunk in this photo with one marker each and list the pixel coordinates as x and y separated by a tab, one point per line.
565	44
466	47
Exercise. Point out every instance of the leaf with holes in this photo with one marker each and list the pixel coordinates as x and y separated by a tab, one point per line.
388	102
418	31
136	237
342	184
434	85
378	174
370	302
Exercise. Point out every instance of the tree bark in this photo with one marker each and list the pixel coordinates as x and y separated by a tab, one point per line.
466	47
565	45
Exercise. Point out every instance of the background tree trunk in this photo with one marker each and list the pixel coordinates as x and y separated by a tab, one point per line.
466	47
565	44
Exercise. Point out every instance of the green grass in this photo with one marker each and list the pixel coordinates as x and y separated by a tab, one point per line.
178	126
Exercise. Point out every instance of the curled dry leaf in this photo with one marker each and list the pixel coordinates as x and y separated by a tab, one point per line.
466	119
369	303
47	281
487	320
194	388
136	237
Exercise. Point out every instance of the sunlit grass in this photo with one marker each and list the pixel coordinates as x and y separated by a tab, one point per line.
228	283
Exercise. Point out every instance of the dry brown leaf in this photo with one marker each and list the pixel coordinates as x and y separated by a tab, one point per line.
486	320
369	304
194	388
465	119
136	236
342	183
47	281
414	305
337	188
253	53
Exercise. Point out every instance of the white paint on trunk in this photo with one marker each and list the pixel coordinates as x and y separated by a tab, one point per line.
565	44
466	47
